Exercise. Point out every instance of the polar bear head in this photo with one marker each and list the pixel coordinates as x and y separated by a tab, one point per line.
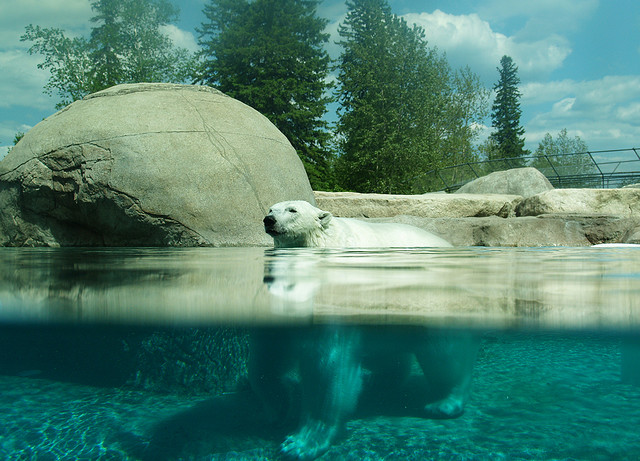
295	223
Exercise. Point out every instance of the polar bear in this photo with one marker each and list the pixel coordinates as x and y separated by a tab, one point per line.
341	368
300	224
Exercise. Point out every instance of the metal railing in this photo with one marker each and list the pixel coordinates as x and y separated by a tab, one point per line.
606	169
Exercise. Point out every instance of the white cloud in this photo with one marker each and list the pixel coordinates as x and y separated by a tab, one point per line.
21	83
543	17
469	40
603	112
332	46
539	92
334	10
70	15
563	106
180	38
629	113
8	130
590	95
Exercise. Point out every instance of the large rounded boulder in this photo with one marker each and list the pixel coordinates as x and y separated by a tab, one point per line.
148	164
525	182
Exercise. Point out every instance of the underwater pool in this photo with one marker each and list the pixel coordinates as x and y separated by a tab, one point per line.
145	353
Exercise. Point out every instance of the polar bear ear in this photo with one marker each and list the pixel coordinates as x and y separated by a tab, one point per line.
325	218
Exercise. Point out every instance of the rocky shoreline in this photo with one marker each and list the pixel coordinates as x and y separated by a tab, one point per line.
552	217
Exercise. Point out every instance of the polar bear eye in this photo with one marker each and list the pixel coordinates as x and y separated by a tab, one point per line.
292	210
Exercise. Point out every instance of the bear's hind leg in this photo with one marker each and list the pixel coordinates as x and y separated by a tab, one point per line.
447	359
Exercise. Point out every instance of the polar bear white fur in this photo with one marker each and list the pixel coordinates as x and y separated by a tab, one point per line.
339	364
300	224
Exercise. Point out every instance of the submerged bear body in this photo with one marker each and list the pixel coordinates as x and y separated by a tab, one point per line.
323	375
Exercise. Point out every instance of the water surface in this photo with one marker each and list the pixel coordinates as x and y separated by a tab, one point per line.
497	287
102	350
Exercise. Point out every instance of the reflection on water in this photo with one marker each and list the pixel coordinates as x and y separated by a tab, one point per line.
482	287
142	354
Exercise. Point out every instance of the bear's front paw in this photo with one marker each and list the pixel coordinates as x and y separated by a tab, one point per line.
447	408
311	441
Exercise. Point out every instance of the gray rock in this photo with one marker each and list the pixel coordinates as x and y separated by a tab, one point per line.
489	220
355	205
148	164
191	361
614	202
632	236
494	231
518	181
529	231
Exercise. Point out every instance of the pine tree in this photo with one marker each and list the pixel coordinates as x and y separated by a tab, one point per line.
508	136
270	55
403	111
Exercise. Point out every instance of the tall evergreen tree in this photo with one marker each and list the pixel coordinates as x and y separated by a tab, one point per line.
126	45
402	109
270	54
508	137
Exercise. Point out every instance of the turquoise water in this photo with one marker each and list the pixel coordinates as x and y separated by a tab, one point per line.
130	354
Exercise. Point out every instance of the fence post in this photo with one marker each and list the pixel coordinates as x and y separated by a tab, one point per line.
598	167
546	157
473	171
446	186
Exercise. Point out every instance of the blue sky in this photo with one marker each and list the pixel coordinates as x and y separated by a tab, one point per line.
579	60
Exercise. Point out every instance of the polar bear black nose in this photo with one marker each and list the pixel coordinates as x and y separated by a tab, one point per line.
269	221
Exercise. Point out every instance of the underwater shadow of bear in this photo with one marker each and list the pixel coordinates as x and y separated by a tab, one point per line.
229	423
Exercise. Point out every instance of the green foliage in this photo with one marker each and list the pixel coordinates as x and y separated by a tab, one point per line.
18	136
403	111
488	149
65	58
16	139
126	45
270	55
508	136
470	105
564	156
